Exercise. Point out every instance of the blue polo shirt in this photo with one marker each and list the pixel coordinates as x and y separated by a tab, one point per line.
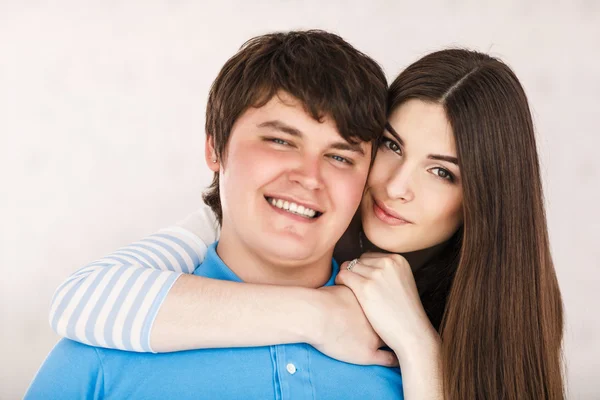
290	371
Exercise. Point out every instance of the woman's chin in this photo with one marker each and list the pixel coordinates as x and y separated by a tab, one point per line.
398	244
385	243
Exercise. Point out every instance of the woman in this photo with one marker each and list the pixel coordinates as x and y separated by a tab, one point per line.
455	188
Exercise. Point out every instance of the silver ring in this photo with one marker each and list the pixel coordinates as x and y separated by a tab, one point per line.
352	264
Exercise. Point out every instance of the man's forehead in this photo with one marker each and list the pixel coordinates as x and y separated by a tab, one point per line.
286	113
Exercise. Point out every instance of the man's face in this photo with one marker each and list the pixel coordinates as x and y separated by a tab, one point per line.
289	184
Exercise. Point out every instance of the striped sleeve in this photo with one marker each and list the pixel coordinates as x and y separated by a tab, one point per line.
113	302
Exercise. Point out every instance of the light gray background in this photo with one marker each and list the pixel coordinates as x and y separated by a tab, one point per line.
101	131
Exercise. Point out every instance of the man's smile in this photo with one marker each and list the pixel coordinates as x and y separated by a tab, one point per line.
293	208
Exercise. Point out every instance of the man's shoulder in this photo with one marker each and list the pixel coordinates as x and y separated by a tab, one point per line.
71	370
69	348
91	358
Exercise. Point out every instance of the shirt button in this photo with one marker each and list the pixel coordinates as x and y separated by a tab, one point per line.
291	368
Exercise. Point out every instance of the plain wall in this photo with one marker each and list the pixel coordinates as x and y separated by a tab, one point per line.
102	118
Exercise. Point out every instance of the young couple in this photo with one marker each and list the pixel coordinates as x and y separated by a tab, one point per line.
431	187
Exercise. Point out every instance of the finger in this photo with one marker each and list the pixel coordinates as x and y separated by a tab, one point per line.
379	260
364	268
350	279
373	255
374	262
385	358
338	280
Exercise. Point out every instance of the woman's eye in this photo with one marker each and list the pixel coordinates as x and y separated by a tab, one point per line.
443	173
391	145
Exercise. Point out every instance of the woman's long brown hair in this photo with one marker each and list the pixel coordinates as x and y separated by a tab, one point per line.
502	323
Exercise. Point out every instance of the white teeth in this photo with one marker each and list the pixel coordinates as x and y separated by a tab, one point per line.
293	207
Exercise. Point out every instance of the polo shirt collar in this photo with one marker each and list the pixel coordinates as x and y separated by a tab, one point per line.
213	267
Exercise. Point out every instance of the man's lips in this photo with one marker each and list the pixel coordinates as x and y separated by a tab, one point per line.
291	199
388	216
300	215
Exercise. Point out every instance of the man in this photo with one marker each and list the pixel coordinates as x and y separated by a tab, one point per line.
290	121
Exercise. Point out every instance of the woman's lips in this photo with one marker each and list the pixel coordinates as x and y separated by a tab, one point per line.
384	216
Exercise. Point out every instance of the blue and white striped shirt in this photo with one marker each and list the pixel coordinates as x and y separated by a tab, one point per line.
114	301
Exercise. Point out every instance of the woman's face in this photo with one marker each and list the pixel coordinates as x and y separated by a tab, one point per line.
413	198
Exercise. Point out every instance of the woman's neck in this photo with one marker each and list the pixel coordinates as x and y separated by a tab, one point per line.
416	259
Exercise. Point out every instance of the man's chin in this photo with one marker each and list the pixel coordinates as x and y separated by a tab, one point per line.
292	254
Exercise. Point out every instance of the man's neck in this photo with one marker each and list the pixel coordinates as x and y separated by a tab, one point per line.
253	267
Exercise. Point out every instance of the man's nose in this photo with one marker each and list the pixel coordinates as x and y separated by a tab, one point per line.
308	172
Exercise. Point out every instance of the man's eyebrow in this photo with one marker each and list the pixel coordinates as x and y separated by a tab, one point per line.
391	130
440	157
348	147
285	128
281	126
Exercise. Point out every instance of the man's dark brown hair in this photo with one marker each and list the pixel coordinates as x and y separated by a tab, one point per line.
323	71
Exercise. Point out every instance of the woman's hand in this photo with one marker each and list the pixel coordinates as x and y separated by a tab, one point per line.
385	288
344	332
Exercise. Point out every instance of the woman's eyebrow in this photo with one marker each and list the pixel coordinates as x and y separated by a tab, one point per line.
440	157
391	130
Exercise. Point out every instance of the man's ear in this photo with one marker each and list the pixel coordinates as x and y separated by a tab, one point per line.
210	154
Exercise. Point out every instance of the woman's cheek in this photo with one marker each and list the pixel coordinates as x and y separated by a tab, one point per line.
448	208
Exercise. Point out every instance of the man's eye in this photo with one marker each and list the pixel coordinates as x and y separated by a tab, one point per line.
391	145
279	141
341	159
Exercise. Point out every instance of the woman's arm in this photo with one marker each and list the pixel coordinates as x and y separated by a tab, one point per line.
422	371
200	312
204	313
143	298
385	288
113	302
